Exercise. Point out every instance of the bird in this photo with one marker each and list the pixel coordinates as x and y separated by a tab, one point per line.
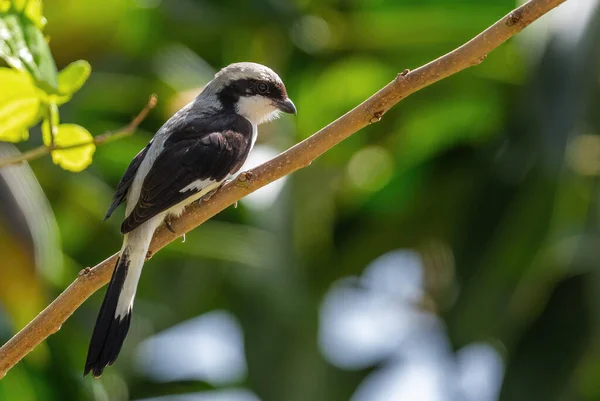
195	151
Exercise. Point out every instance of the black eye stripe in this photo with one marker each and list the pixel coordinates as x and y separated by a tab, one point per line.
230	94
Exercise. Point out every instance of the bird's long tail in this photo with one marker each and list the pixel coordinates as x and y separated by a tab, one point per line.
114	317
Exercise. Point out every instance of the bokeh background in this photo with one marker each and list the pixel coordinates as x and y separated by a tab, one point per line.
449	252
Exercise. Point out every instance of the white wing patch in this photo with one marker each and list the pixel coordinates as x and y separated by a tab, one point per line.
206	187
197	185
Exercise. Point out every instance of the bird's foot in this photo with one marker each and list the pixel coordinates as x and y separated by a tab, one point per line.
210	194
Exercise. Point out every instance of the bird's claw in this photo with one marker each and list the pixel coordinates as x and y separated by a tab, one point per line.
168	225
210	194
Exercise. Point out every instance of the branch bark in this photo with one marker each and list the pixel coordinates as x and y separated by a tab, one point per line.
301	155
40	151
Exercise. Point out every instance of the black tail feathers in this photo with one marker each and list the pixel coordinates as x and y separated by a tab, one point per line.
110	330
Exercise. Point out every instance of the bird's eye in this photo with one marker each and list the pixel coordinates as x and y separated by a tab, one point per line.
262	87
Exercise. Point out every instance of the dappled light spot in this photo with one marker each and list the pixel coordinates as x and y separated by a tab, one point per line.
583	154
217	395
480	370
365	320
411	381
311	33
375	319
371	168
360	328
209	348
398	273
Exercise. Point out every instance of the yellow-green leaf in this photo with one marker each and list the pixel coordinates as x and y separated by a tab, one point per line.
45	73
71	79
14	136
33	10
34	13
19	103
75	159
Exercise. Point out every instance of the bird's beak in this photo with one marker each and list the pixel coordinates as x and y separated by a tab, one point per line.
287	106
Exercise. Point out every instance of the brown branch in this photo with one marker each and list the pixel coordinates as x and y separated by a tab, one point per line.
110	136
299	156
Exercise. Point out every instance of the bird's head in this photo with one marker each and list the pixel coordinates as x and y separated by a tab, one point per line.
254	91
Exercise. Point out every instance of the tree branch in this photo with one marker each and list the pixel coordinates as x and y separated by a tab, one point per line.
110	136
301	155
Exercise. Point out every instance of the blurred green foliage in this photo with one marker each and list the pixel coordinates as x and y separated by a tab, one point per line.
490	176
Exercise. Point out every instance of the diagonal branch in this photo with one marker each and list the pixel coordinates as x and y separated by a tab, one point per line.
297	157
110	136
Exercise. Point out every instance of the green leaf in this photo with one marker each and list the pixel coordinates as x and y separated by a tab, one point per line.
19	104
47	75
24	47
71	79
75	159
13	48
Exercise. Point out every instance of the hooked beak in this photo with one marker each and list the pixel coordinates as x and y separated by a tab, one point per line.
287	106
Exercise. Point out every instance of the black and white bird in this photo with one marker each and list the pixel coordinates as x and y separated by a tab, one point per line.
192	154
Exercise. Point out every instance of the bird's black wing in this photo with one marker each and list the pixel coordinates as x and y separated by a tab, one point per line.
195	152
121	192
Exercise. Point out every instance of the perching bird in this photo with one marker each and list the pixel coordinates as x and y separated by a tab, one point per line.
192	154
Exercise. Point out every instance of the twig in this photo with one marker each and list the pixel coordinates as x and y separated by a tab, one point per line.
110	136
299	156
